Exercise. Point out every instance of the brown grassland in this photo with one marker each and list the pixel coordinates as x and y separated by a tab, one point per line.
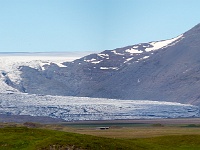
129	129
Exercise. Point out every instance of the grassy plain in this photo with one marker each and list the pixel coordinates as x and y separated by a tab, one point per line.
130	136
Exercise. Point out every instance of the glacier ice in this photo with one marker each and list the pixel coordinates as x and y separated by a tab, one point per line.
84	108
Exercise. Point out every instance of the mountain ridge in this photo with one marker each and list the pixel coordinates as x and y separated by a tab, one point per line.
166	70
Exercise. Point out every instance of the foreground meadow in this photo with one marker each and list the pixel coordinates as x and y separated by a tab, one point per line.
31	136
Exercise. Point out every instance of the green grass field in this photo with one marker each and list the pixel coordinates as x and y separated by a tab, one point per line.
47	137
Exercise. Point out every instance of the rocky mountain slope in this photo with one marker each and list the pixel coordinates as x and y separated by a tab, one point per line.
167	70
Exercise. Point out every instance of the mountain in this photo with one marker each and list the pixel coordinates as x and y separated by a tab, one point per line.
167	70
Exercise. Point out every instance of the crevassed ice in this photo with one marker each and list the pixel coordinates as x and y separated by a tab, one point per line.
10	64
84	108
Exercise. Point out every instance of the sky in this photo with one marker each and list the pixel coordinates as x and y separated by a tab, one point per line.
91	25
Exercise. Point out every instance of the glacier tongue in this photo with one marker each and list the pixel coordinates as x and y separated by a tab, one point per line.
83	108
10	65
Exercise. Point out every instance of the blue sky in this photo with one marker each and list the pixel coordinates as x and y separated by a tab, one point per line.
91	25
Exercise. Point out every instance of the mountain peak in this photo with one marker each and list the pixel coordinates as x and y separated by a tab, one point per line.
193	31
197	27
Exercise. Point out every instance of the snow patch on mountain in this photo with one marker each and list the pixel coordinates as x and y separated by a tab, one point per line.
145	57
96	62
103	55
117	53
134	51
128	59
107	68
163	44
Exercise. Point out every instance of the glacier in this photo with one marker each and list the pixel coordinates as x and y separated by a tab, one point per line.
14	102
84	108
